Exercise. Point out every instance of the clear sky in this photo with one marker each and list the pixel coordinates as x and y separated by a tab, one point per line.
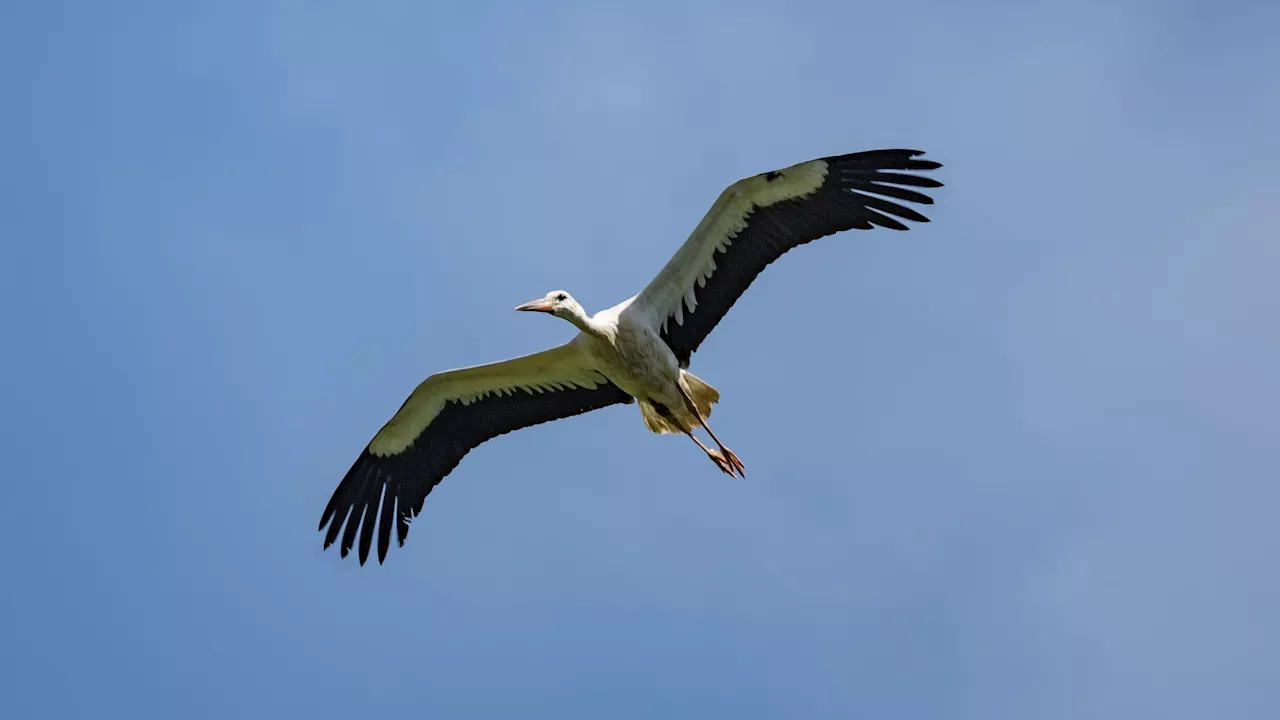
1018	463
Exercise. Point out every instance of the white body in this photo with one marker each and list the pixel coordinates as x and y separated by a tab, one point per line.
625	347
630	353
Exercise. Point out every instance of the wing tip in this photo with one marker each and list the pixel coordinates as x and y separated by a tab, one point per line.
353	509
904	157
911	163
933	164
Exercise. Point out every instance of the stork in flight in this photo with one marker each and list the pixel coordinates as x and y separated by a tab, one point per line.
634	352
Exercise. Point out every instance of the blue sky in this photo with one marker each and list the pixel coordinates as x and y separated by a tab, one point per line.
1017	463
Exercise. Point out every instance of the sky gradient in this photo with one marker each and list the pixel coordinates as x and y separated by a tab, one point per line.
1017	463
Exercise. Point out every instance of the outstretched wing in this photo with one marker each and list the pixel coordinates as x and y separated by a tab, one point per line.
445	417
757	219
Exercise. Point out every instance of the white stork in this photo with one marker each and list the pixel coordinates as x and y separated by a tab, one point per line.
635	351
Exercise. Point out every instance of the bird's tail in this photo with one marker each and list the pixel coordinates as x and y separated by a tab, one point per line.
704	396
667	421
658	422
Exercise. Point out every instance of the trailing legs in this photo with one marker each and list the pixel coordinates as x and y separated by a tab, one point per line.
716	456
725	452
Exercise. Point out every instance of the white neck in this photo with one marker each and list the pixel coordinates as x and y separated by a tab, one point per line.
582	321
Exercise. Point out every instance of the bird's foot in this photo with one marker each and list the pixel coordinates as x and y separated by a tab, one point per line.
725	465
732	457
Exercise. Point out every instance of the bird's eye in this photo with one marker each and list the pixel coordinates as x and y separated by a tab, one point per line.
561	296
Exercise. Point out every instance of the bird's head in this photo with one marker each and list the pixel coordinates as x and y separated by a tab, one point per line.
557	302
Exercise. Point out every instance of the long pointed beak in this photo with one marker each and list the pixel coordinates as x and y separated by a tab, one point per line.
539	305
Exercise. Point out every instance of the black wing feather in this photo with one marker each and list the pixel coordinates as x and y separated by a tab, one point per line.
840	204
400	483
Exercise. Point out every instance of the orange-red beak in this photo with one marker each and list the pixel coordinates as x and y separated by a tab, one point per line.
539	305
